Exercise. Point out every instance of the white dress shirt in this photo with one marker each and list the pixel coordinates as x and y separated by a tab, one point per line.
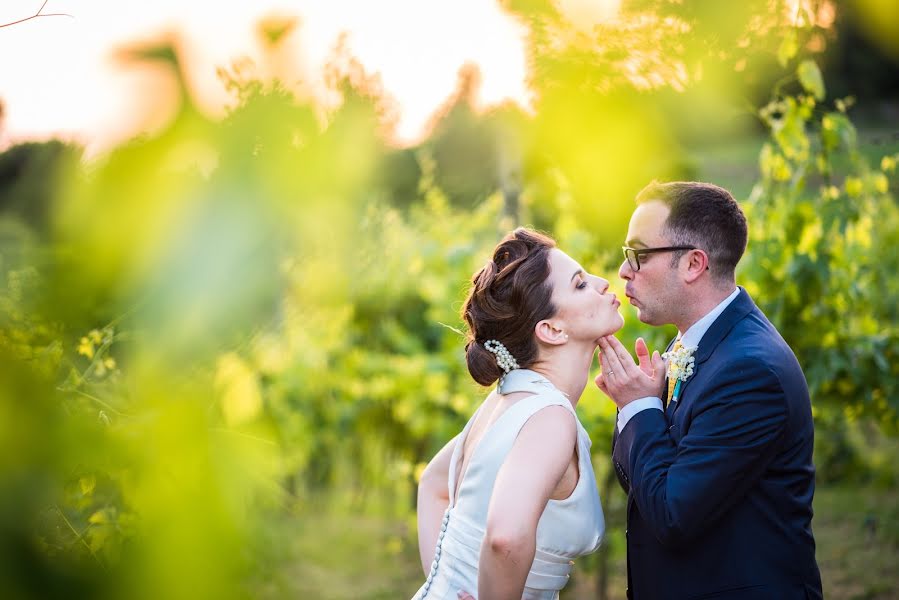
690	338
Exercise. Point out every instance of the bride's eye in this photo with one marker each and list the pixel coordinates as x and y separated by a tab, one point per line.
582	285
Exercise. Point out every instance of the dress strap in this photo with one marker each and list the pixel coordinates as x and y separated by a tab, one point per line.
525	380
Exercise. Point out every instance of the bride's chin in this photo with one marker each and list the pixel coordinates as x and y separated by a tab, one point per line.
617	324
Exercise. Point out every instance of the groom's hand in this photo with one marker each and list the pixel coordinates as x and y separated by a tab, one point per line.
645	362
462	595
622	379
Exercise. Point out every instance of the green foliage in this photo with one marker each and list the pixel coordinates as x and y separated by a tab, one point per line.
824	228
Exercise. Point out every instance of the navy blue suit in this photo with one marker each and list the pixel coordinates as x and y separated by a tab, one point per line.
720	485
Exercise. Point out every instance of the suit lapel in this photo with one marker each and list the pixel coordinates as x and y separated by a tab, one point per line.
735	311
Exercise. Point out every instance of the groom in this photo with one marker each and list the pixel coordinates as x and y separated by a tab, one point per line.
717	461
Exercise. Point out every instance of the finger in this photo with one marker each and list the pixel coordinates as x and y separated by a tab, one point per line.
603	343
464	596
624	358
658	363
604	365
619	349
601	384
610	361
658	367
643	356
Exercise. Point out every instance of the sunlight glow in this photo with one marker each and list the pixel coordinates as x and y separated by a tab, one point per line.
69	82
587	14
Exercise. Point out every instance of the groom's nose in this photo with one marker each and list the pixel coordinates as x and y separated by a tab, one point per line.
625	271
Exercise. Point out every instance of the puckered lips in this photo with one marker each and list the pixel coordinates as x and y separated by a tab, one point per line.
630	297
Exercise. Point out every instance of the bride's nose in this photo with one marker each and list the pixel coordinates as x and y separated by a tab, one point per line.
601	284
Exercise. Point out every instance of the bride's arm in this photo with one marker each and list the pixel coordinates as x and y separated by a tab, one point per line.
524	484
433	498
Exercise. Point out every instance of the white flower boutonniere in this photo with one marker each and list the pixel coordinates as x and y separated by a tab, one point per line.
680	362
680	367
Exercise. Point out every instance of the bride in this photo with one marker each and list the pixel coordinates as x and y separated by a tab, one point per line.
506	505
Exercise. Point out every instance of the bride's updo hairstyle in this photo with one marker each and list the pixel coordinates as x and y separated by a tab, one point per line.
508	297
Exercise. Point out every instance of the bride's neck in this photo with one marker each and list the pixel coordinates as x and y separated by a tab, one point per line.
568	368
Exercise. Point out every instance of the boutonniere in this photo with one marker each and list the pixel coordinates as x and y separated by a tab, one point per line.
680	367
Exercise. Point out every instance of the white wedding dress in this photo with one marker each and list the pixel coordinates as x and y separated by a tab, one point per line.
567	529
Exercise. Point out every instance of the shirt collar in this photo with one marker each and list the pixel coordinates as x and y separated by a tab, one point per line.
693	335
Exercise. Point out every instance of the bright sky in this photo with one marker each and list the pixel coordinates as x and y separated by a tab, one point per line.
59	76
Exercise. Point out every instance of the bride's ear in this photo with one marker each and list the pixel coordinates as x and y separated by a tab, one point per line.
549	333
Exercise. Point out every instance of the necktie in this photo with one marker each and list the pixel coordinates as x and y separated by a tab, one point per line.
672	381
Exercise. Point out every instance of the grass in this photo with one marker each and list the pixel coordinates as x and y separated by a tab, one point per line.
331	555
857	532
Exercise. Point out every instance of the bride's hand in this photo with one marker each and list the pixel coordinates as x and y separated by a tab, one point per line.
622	379
643	361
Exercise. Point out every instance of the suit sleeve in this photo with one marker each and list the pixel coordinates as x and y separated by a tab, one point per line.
683	489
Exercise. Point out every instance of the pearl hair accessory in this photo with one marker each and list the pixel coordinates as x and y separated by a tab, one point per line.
504	358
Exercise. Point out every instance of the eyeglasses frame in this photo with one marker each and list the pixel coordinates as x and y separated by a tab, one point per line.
638	251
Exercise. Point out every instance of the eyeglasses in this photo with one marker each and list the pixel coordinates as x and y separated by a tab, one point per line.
633	254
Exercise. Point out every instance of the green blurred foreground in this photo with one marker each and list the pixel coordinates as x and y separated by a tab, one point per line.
228	351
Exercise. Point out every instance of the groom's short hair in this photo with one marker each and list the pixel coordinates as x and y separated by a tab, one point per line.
703	215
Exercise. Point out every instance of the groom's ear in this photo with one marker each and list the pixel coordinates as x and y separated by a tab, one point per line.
550	333
697	264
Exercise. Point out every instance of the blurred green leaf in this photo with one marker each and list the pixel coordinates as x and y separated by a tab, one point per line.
788	47
811	79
